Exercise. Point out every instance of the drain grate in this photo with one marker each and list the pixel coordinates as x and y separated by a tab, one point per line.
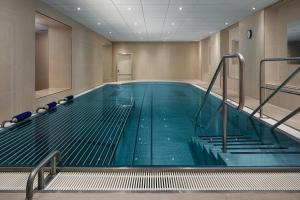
148	181
15	181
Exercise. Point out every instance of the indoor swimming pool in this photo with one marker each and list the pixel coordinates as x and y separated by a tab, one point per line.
146	124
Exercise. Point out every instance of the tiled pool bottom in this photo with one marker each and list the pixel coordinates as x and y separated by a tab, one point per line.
145	124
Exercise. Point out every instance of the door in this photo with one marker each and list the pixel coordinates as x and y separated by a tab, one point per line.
124	67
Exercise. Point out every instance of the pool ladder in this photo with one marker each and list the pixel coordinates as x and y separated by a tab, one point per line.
280	88
39	170
224	66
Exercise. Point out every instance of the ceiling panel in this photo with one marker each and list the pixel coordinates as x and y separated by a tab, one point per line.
157	20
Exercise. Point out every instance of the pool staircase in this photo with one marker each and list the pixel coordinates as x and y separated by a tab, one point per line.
243	151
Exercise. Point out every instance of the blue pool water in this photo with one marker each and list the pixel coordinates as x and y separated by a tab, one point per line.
145	124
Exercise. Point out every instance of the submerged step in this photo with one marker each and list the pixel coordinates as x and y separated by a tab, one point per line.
242	153
242	143
266	160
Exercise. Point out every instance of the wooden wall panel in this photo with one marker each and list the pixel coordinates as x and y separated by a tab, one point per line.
277	18
60	57
17	56
161	60
42	61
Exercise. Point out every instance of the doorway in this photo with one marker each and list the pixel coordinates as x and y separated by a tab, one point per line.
124	66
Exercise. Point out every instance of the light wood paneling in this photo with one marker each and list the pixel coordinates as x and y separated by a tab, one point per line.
60	58
161	60
269	39
41	61
253	50
211	55
17	56
277	18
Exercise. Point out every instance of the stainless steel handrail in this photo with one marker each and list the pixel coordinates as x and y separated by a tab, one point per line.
262	85
39	169
222	65
259	108
289	116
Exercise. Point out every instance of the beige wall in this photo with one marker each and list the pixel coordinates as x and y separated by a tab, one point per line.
199	69
108	72
17	56
276	22
253	50
42	61
60	57
161	60
210	57
269	28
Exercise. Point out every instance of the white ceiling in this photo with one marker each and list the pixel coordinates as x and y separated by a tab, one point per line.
157	20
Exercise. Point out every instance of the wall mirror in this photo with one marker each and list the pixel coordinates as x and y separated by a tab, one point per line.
53	56
293	43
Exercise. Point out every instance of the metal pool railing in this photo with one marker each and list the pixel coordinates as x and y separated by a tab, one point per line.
39	169
222	66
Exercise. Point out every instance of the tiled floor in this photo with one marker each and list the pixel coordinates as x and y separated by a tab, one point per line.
154	196
270	110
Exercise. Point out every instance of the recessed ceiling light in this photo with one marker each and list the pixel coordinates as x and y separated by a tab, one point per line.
253	8
78	8
226	23
180	8
211	32
98	23
129	8
173	23
110	33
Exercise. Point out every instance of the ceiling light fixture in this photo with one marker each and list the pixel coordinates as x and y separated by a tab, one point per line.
226	23
180	8
110	33
98	23
253	8
173	23
129	8
78	8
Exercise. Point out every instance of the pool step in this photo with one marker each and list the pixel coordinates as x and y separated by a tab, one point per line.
244	151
